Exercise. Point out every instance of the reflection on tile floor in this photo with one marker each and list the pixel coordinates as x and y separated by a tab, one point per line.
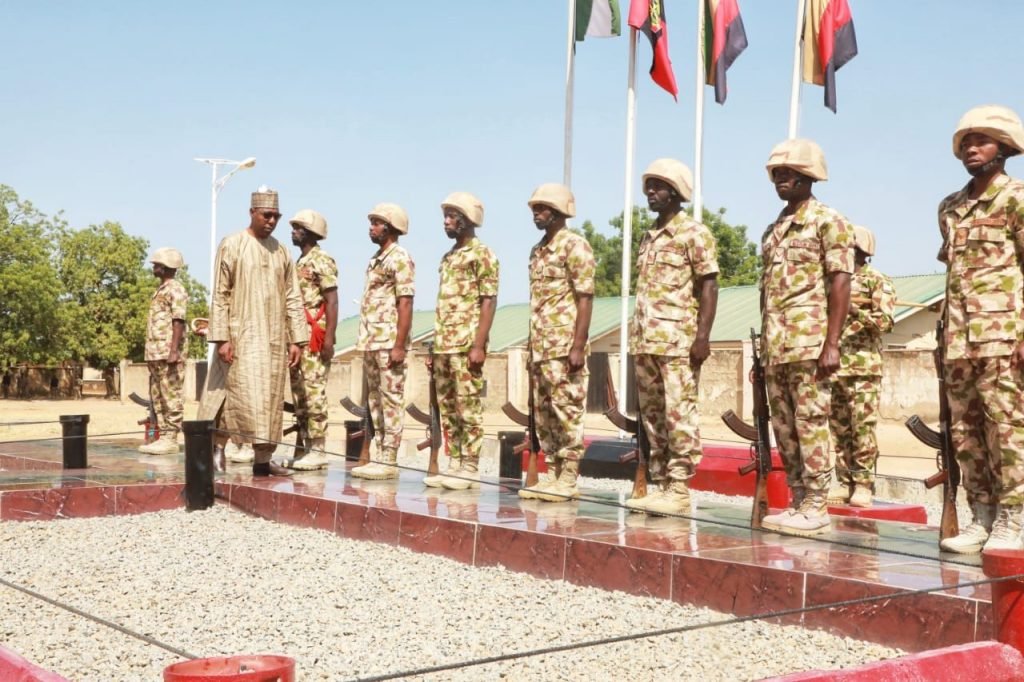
713	559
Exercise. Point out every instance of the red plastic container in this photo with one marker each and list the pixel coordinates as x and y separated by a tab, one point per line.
261	668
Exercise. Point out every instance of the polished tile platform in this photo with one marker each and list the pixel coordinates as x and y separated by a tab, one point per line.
712	560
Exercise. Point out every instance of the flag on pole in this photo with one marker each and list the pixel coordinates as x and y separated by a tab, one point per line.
724	39
829	42
649	16
597	19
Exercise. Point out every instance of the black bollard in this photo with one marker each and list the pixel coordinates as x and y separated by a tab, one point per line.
510	465
353	445
76	431
198	464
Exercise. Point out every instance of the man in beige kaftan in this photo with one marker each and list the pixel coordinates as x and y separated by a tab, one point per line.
258	326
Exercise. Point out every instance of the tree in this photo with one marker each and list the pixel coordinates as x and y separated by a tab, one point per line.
29	286
737	256
104	293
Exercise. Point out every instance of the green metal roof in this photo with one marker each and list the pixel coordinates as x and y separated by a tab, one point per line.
738	311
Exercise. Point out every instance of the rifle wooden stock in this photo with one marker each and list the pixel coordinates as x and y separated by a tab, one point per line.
300	429
531	470
739	427
517	417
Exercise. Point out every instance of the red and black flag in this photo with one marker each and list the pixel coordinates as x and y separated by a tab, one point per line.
829	42
724	39
649	16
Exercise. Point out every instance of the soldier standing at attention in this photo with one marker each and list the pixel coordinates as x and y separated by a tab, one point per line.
385	317
318	282
805	295
466	300
857	384
982	229
165	348
561	302
676	297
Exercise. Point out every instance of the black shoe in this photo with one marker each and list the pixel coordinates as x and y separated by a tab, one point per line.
269	469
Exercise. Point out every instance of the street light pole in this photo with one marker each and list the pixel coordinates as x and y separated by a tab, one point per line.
216	185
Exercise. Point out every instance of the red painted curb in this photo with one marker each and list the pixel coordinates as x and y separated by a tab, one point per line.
989	661
14	668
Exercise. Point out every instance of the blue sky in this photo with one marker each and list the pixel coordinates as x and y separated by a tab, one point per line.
346	104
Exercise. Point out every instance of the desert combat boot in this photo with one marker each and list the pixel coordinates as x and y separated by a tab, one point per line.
810	518
564	488
379	471
972	539
314	459
468	475
774	521
548	478
1005	530
453	470
674	500
167	444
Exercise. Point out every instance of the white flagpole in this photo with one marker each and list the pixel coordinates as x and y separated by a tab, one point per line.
627	219
794	93
570	78
698	134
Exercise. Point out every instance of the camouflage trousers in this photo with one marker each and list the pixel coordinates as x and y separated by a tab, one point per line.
667	393
559	399
458	398
987	427
854	416
309	390
386	398
166	388
800	406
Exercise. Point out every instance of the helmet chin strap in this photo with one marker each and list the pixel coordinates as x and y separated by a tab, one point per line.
991	165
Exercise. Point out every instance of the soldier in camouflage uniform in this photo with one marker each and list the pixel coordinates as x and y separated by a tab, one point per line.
856	385
982	229
318	283
466	300
807	255
561	303
165	350
676	297
385	317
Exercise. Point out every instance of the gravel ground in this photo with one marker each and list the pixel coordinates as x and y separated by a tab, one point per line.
220	583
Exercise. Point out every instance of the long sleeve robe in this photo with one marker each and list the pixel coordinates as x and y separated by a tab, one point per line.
257	306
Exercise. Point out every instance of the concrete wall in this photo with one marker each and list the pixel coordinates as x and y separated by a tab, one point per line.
909	385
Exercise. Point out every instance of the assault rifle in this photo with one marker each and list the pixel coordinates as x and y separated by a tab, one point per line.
758	434
641	454
151	423
949	469
367	433
432	420
301	430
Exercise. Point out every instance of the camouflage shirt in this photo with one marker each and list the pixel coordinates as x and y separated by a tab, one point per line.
317	273
983	248
860	348
798	252
671	262
389	275
168	304
560	270
467	274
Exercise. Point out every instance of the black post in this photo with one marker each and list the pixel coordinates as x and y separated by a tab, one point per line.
76	431
510	465
198	464
353	446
